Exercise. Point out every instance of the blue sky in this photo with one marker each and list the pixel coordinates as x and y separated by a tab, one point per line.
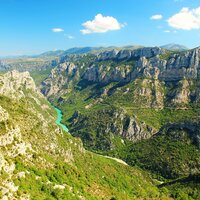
35	26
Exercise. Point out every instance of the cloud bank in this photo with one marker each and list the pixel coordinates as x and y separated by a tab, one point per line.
186	19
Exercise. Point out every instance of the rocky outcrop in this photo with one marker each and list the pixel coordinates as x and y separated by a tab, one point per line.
152	63
149	93
26	130
60	79
137	131
13	84
129	127
118	123
182	94
124	66
12	145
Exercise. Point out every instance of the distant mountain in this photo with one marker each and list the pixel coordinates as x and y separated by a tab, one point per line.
74	50
81	50
51	53
84	50
174	47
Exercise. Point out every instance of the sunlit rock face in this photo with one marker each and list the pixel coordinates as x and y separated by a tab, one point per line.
14	83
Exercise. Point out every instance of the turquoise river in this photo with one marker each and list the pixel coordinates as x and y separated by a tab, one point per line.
59	119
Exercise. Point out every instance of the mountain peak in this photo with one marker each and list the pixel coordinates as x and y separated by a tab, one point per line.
174	47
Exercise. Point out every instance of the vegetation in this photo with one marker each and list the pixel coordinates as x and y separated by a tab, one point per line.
57	167
90	111
164	166
170	155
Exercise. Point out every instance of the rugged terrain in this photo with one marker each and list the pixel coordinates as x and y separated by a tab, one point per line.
141	105
40	161
137	104
137	91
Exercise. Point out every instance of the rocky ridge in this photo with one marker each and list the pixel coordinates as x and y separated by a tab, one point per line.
160	66
150	78
155	63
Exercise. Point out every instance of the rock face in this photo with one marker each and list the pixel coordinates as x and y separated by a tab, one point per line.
167	78
137	132
118	123
131	54
129	127
145	78
153	63
19	120
182	95
13	84
60	79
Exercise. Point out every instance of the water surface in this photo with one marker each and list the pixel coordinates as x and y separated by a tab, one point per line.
59	119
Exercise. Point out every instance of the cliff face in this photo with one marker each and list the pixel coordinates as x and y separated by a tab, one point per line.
22	127
132	80
60	80
107	124
154	63
160	66
13	84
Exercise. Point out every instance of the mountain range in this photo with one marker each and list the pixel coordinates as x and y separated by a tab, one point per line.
133	120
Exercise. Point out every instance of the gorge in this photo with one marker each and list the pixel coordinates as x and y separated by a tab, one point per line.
121	104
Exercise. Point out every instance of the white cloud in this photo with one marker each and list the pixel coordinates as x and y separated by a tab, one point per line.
186	19
156	17
57	30
101	24
70	37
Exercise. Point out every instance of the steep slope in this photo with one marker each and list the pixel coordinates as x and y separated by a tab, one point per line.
40	161
130	93
118	102
171	153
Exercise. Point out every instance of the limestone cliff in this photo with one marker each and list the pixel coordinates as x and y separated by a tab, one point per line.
13	84
160	66
129	80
